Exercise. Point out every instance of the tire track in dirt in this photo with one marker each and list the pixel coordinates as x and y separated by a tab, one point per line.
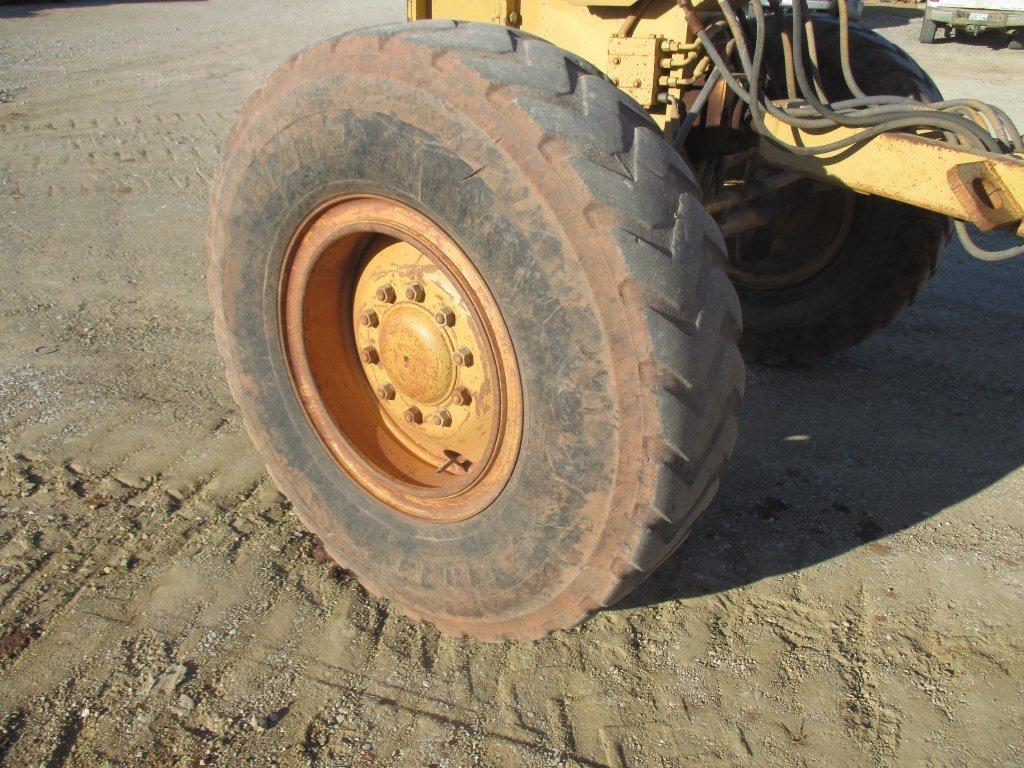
137	596
112	155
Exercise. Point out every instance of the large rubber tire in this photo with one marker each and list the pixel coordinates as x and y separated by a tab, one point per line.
928	30
891	249
588	230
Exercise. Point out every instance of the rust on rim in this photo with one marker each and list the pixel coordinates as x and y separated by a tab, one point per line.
400	358
790	236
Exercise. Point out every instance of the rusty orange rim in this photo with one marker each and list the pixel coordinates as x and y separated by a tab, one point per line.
802	237
400	358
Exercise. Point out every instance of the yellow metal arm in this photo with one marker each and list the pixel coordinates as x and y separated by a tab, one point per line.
984	189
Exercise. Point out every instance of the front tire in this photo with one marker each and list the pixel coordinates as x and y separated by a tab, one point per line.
587	230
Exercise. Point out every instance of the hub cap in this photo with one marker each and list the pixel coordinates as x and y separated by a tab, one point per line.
401	359
417	342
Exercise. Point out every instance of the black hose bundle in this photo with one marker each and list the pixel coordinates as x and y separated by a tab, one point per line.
965	122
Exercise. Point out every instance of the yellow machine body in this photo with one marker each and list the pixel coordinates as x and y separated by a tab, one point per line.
649	51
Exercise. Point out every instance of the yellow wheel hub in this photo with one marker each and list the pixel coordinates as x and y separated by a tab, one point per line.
419	341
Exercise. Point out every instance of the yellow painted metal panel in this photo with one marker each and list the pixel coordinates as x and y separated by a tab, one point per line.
985	189
417	9
491	11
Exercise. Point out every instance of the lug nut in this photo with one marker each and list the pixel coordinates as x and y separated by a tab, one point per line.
415	292
369	318
442	418
464	357
386	294
461	396
413	416
444	316
386	392
369	356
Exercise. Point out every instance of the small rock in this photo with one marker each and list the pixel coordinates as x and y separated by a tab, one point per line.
185	704
171	679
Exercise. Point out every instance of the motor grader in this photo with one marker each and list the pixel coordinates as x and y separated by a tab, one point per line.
484	282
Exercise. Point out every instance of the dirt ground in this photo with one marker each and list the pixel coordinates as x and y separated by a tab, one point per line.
855	598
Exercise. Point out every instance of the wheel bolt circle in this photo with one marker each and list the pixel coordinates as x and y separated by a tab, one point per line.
386	392
386	294
444	316
461	396
464	357
441	418
415	292
369	318
369	356
413	415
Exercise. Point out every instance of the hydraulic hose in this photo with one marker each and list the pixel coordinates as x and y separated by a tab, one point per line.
967	122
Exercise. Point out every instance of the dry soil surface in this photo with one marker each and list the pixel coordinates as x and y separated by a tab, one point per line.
856	597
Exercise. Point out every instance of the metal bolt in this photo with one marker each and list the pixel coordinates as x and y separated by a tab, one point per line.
369	356
369	318
461	396
615	81
444	316
386	392
616	60
637	83
464	357
413	415
415	292
441	418
386	294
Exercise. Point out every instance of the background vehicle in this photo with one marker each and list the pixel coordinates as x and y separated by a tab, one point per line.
827	7
974	17
480	283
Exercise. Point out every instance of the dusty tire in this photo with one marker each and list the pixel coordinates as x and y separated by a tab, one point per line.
587	229
889	252
928	30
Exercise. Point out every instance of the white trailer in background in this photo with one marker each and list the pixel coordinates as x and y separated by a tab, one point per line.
973	17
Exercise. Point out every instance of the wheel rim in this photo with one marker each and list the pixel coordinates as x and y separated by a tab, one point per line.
806	227
400	358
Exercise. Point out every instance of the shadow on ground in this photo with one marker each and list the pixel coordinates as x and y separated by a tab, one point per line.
845	452
26	10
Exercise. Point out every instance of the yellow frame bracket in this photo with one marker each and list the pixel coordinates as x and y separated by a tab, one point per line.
984	189
505	12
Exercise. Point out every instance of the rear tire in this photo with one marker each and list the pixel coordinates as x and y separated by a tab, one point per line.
1016	41
928	30
587	229
888	253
